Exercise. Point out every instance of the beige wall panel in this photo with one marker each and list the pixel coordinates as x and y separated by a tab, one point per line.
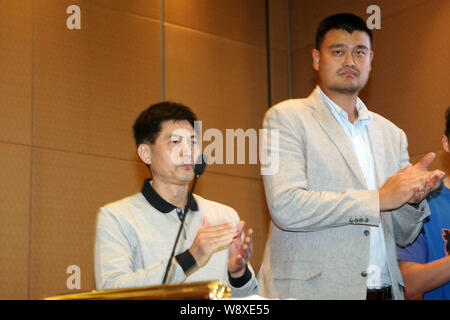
223	81
233	19
148	8
303	75
279	75
14	220
278	24
68	190
239	20
247	197
15	76
306	15
91	84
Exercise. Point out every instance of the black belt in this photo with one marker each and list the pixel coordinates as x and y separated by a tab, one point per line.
379	294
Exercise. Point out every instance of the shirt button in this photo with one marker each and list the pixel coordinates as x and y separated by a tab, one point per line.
364	274
366	232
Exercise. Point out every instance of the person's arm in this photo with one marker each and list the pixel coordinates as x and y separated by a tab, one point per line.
294	207
421	278
418	275
114	260
407	219
245	285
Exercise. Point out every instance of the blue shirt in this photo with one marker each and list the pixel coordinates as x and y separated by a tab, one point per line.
378	273
433	243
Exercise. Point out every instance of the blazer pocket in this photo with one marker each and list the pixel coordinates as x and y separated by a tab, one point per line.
301	270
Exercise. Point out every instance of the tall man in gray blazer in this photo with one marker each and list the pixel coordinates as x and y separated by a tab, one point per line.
345	192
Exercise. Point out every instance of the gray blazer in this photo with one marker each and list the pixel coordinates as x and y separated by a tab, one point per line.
320	207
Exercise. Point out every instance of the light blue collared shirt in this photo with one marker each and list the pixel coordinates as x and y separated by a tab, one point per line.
378	274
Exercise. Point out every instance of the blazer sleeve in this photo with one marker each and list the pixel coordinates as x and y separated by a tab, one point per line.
292	205
408	220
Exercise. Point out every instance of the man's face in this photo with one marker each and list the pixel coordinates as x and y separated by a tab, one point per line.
172	155
344	61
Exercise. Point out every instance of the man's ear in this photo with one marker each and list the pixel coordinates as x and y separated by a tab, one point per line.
316	58
145	153
444	140
371	59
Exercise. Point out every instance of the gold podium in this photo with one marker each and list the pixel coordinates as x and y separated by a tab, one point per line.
205	290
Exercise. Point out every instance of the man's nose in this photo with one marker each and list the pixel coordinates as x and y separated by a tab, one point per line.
186	148
349	60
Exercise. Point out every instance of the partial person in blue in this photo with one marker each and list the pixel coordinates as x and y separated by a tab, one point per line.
425	265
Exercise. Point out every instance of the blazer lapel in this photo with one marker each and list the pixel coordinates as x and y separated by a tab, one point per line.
330	125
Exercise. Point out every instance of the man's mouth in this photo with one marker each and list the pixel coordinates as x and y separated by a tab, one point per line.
348	73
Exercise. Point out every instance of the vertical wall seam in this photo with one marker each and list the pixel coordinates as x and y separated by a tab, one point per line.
269	74
30	219
162	52
289	48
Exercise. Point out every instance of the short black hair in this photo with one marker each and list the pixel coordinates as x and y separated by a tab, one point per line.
447	122
148	125
341	21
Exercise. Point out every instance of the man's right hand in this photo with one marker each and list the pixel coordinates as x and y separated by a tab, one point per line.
209	239
410	184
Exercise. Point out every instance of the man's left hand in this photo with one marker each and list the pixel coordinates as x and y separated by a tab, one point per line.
240	251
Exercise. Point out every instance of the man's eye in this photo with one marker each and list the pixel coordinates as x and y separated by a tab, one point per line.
360	53
338	52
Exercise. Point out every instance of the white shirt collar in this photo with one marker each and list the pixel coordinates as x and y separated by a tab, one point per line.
363	112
